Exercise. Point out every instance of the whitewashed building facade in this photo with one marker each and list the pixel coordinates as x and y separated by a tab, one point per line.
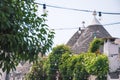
112	50
2	75
18	74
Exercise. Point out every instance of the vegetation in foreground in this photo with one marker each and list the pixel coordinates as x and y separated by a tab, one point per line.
62	64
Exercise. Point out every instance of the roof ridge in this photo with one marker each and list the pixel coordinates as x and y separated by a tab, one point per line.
95	21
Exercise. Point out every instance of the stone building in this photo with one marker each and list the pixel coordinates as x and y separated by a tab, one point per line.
79	42
112	50
21	70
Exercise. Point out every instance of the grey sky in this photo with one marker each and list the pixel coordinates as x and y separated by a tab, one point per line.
60	18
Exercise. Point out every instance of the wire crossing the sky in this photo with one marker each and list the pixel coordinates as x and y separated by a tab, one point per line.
111	24
78	27
100	12
82	10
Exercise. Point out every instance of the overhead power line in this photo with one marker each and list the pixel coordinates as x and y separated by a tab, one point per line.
100	12
111	24
78	27
66	28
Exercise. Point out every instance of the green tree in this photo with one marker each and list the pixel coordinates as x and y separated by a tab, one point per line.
47	67
101	67
96	65
54	60
70	66
37	71
23	34
80	72
80	67
95	45
66	66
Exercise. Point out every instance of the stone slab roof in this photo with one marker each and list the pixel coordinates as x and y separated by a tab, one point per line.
80	42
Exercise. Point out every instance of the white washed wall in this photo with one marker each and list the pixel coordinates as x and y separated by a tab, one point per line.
111	50
106	48
113	57
2	77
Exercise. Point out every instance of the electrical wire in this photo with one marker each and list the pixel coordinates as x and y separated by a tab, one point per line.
111	24
66	28
44	7
111	13
78	27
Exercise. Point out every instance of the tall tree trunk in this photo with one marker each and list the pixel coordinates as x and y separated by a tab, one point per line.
7	76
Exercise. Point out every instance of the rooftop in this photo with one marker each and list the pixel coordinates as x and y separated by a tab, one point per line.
95	21
80	42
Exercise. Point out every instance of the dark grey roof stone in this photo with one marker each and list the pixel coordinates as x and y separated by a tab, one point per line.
114	75
81	43
74	38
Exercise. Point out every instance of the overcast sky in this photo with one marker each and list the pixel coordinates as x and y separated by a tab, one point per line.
61	18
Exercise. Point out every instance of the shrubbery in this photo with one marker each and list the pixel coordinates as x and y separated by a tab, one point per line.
66	66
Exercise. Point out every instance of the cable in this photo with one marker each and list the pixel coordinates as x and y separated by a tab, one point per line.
69	8
99	12
78	9
66	28
111	24
79	27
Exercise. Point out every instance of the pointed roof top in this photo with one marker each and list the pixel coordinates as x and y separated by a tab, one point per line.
95	21
80	42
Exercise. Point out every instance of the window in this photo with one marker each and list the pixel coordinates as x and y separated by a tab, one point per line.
119	52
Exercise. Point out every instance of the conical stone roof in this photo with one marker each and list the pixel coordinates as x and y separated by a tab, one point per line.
74	38
80	42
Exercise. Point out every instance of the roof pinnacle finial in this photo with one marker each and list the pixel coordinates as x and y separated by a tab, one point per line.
95	21
94	13
83	22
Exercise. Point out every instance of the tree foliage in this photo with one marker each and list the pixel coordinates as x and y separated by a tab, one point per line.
67	65
54	60
23	34
49	66
80	67
72	66
95	45
37	71
96	65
